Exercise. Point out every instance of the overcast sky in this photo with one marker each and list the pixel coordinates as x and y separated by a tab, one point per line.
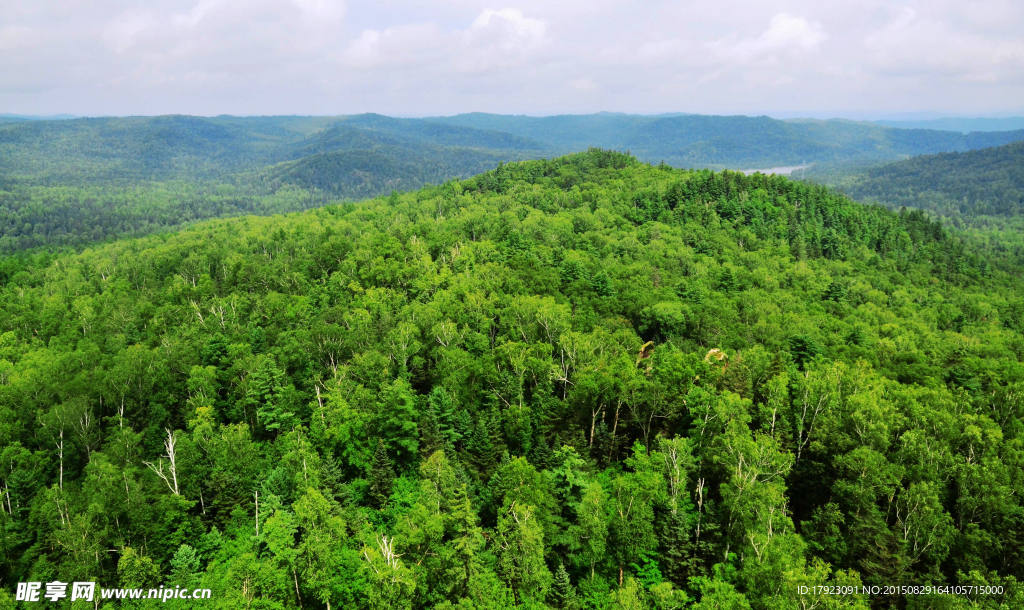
854	58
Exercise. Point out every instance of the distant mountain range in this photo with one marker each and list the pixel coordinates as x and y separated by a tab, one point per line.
76	181
340	150
736	142
139	149
33	117
963	125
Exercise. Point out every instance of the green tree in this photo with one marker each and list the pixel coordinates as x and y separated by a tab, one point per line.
520	547
382	475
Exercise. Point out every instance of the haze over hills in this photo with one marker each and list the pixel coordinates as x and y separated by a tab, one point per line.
155	148
28	117
963	125
732	141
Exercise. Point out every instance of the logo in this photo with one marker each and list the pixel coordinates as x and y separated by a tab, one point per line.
55	591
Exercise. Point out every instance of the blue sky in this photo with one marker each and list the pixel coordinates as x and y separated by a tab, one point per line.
859	59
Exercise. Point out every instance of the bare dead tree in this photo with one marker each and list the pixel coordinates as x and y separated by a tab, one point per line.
171	476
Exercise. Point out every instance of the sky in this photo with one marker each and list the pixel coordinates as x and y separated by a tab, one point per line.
849	58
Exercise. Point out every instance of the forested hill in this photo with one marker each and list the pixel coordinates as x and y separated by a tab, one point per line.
579	383
980	182
132	150
69	183
141	149
733	141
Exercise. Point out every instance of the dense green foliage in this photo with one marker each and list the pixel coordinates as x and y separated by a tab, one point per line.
69	183
73	216
986	182
72	182
344	162
130	150
580	383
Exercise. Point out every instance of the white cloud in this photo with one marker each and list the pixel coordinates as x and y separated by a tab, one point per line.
331	10
495	38
534	56
915	44
789	31
785	34
511	21
225	30
122	32
400	45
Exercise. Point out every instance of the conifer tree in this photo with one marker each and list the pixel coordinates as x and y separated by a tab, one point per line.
481	449
431	438
398	422
440	401
836	291
467	539
462	428
602	284
563	594
382	474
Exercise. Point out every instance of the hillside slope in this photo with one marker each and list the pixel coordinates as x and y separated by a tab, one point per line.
69	183
138	149
131	150
733	141
72	182
989	181
586	379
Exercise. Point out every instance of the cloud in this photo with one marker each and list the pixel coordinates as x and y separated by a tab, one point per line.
510	25
916	45
494	38
419	57
224	30
122	32
786	34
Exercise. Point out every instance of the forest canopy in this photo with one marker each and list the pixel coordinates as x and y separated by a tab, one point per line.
69	183
986	182
585	383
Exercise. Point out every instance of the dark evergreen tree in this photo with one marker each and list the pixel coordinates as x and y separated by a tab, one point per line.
836	291
462	428
431	438
804	349
602	284
444	408
381	476
563	594
572	271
